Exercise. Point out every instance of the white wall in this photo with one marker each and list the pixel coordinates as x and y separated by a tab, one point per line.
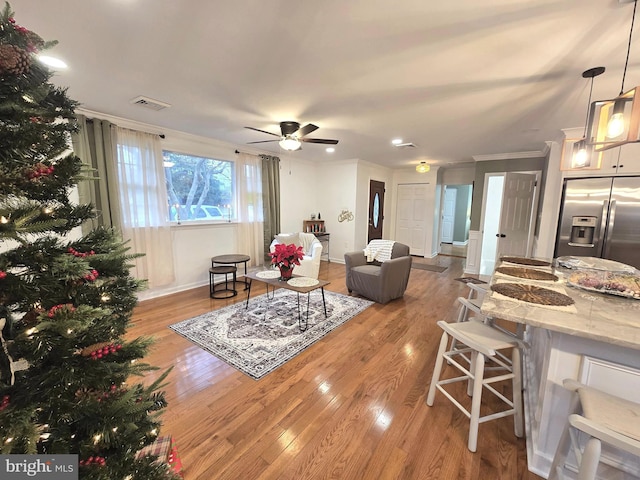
544	243
337	182
299	197
329	188
459	176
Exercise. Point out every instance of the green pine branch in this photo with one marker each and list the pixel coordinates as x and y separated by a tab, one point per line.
65	304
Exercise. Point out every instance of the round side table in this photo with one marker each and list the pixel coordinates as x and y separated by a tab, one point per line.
215	289
233	259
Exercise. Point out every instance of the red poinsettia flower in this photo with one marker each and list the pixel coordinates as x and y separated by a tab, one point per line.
286	255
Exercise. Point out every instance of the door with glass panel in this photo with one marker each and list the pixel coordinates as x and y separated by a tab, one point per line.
376	209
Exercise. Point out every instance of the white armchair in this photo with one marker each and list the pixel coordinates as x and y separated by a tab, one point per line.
310	263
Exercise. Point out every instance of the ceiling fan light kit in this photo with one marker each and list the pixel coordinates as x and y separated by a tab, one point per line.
290	144
292	136
617	121
423	167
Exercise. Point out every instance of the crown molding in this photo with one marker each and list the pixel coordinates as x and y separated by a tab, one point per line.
514	155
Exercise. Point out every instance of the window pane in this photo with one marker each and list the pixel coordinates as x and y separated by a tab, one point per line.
199	188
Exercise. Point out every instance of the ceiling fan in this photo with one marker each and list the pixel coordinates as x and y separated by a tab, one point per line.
292	135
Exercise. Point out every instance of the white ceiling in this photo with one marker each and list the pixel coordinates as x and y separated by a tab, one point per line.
457	78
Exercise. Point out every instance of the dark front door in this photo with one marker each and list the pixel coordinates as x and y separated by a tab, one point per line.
376	204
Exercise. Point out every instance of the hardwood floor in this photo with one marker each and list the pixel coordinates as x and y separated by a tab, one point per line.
352	406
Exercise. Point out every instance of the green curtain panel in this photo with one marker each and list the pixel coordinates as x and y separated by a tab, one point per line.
270	199
94	143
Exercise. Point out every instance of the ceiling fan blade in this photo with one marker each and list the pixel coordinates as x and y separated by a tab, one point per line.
306	130
264	141
319	140
263	131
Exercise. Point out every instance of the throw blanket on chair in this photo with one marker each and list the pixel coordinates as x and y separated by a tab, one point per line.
379	250
307	240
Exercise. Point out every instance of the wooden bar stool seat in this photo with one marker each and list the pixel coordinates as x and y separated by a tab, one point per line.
480	343
601	418
221	289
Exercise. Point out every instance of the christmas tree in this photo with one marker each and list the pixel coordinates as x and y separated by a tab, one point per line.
65	299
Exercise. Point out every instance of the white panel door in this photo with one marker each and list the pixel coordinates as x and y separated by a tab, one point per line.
448	214
515	218
419	220
411	213
404	214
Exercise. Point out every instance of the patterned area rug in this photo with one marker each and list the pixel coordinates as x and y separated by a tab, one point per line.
258	340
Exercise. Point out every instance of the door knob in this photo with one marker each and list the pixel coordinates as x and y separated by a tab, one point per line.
500	235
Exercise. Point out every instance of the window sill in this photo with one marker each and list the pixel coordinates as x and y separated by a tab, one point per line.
202	223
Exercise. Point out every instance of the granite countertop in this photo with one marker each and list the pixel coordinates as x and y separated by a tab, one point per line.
606	318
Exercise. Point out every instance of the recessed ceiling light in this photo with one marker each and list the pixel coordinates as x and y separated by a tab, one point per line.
52	61
396	141
330	150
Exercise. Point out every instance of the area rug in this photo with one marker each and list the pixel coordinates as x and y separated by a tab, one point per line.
469	280
431	268
263	337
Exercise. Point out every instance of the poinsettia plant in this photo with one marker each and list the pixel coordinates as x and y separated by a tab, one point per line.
286	255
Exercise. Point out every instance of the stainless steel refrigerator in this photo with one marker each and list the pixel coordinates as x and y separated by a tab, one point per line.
600	217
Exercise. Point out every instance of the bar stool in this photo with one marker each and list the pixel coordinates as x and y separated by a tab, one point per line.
482	342
605	418
470	310
215	289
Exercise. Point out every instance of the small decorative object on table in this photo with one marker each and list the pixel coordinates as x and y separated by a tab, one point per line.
285	257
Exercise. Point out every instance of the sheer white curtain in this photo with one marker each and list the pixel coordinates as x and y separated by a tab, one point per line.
143	198
249	201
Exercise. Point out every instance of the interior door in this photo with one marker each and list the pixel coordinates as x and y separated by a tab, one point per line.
448	214
515	218
411	221
376	209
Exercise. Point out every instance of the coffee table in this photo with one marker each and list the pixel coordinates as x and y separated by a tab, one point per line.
277	283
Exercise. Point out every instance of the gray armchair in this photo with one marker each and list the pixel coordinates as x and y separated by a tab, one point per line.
381	282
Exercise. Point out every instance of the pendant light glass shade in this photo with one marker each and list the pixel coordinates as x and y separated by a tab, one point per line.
290	143
615	122
423	167
581	155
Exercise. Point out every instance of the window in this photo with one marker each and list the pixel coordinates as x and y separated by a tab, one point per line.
199	188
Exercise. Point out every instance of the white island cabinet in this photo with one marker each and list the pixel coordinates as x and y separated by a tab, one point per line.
595	341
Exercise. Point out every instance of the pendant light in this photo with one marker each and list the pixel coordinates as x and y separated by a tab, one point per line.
581	153
423	167
617	121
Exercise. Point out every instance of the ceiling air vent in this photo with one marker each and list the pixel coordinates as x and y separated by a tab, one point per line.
405	145
149	103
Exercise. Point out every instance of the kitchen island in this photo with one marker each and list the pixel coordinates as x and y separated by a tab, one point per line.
595	341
